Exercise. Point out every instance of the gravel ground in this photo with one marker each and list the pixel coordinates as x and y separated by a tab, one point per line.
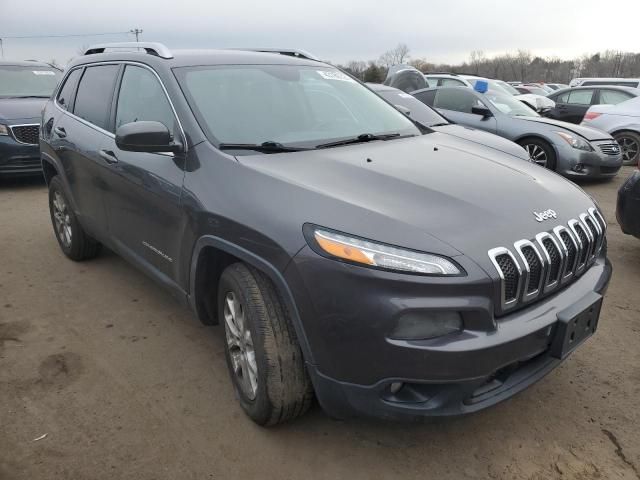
127	384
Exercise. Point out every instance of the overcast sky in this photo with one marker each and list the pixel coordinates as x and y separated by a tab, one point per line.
336	30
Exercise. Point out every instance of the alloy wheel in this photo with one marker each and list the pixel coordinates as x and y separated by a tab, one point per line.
630	149
537	154
62	219
240	345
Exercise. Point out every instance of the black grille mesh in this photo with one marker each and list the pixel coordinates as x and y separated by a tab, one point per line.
26	134
535	268
554	259
571	251
511	276
585	244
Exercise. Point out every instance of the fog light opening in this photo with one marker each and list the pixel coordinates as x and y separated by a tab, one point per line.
578	167
425	324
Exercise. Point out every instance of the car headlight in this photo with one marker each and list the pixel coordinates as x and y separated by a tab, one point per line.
344	247
4	130
575	141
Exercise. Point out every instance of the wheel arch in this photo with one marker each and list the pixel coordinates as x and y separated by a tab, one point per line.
211	255
536	136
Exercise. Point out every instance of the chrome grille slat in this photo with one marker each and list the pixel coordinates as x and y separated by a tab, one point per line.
551	259
610	148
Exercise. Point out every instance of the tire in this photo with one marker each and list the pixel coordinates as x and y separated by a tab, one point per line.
536	146
73	240
630	144
282	389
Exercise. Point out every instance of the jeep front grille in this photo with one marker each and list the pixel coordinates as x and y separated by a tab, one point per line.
26	133
552	259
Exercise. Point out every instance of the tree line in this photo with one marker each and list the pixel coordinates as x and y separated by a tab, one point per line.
520	65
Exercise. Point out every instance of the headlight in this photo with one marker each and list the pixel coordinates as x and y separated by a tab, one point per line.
363	252
4	130
575	141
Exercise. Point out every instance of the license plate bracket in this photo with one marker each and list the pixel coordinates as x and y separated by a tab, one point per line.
575	325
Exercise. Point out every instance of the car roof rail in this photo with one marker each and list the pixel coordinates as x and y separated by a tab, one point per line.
291	52
152	48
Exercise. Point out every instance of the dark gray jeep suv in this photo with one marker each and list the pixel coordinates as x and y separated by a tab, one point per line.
349	252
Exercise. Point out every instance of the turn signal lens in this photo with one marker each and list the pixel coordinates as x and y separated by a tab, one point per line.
365	252
591	115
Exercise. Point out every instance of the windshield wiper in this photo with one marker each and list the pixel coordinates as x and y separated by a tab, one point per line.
442	124
264	147
28	96
365	137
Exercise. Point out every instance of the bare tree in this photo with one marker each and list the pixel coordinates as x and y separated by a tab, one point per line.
356	68
395	56
476	58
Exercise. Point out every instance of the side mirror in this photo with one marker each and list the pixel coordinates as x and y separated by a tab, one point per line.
145	136
483	111
403	109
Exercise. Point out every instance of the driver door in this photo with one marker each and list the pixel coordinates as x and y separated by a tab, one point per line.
458	104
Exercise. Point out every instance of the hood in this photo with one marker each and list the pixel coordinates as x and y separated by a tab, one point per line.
434	193
12	109
538	101
586	132
484	138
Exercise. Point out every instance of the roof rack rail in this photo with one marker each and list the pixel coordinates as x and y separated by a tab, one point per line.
292	52
152	48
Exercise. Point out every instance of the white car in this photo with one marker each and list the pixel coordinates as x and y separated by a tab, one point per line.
595	81
536	102
622	121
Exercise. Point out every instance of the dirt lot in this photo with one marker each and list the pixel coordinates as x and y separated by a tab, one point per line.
126	384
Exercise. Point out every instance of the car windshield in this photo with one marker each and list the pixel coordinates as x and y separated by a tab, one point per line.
537	90
291	105
509	105
35	81
417	110
508	88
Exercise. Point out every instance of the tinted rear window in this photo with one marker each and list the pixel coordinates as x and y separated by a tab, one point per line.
95	92
65	95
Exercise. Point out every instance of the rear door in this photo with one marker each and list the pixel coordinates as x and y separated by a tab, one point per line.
80	135
577	105
143	190
457	104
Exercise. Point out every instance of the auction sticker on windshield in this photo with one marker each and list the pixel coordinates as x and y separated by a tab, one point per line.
43	72
335	75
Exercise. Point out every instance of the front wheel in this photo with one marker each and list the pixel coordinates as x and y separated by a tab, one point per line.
262	351
540	152
630	145
73	240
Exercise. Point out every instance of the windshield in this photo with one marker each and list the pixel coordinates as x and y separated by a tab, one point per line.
418	111
508	88
537	91
19	81
288	104
509	105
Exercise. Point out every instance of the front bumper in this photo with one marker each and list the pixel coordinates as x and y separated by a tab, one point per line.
575	163
628	207
347	326
18	158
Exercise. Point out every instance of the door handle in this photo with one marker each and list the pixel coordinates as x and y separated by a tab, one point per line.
108	156
59	131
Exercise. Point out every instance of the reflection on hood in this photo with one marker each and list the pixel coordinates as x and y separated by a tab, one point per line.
405	78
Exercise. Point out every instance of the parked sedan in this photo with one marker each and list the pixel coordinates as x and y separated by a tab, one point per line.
623	122
427	116
24	89
573	103
538	101
570	150
628	208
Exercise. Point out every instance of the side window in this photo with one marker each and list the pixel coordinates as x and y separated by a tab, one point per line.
563	98
93	101
427	97
142	98
65	95
458	100
452	82
580	97
613	97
